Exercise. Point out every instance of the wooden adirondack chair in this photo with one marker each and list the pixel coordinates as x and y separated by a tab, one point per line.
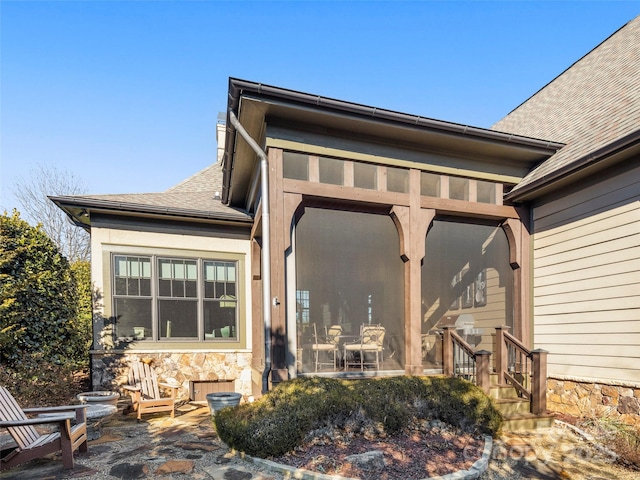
30	443
145	392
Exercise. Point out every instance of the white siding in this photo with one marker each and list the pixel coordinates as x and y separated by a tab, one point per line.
587	281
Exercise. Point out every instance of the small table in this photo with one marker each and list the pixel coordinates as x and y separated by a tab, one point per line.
97	415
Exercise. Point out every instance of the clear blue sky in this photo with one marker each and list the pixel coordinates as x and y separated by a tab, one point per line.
126	93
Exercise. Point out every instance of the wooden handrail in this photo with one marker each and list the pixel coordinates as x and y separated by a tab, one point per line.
460	360
522	368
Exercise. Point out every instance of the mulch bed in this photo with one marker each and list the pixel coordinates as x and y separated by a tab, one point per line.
413	454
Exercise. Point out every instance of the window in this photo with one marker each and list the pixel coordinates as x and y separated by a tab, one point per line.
220	303
177	298
132	298
162	298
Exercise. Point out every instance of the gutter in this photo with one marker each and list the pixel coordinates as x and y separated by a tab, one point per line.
266	250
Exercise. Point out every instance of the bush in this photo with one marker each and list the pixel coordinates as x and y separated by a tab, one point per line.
281	419
39	299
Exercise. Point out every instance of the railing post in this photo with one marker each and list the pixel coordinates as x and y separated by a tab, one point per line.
447	351
483	370
539	382
501	354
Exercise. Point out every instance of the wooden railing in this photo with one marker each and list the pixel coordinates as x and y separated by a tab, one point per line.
524	369
515	365
459	359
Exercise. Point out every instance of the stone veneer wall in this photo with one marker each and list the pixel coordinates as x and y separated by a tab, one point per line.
591	399
109	370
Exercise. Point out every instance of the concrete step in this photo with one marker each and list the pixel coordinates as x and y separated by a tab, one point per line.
527	421
511	406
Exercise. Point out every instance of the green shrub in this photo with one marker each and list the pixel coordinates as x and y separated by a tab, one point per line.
38	297
279	421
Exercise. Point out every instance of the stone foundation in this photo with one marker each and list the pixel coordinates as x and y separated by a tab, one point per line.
109	370
591	399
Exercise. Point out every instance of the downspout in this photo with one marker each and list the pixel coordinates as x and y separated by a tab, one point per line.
266	251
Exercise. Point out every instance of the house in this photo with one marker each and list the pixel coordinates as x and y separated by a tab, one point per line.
585	205
322	214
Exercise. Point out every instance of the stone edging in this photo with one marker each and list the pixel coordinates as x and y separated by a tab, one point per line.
477	469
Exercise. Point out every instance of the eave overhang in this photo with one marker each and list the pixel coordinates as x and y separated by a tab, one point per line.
79	210
620	150
254	103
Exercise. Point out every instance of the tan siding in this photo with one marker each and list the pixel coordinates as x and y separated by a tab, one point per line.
587	281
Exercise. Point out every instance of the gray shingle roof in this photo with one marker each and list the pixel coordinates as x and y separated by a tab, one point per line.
194	196
591	104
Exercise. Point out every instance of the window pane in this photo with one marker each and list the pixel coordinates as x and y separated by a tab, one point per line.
231	273
131	314
220	320
397	180
220	272
231	289
192	270
164	288
146	267
165	268
344	285
121	286
209	271
177	288
190	289
458	188
178	318
120	266
331	171
365	176
486	192
208	290
134	271
429	184
145	287
133	287
178	270
295	166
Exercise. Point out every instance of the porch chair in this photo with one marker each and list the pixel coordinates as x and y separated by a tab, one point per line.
30	443
144	389
329	344
371	342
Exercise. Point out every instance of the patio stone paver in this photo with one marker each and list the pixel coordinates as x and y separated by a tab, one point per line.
187	447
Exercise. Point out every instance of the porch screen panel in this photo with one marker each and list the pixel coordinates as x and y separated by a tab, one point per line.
349	273
132	296
467	282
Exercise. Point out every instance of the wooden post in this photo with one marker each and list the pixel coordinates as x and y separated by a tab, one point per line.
539	382
447	351
501	354
483	370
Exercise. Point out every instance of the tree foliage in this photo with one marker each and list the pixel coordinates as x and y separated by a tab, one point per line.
39	297
32	194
